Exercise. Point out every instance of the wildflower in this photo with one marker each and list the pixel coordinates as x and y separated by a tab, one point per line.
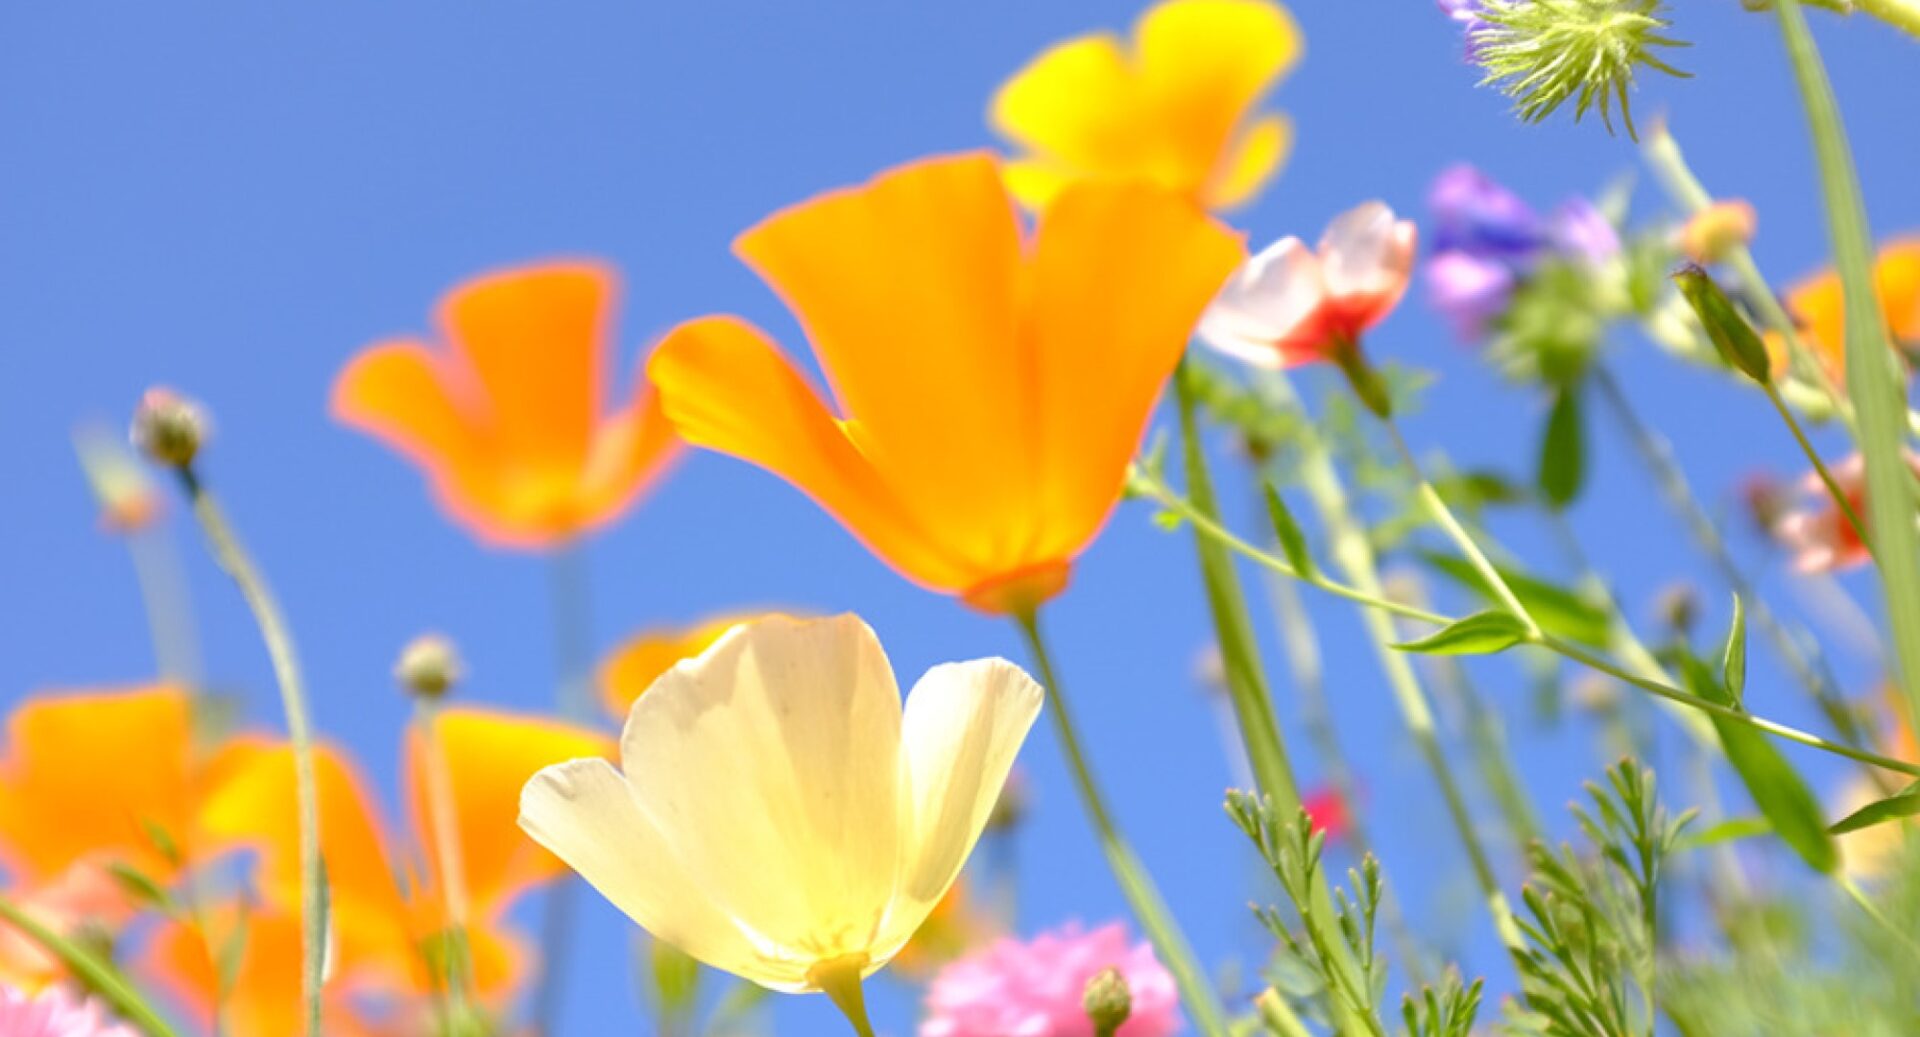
1175	109
389	913
1039	987
429	666
1108	1001
1327	810
777	815
168	428
636	664
1477	215
1468	15
54	1013
129	501
246	960
1543	53
506	418
1818	306
1292	305
1817	532
975	452
1711	234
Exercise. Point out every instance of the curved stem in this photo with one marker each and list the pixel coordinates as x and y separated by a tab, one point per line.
572	607
443	814
98	975
233	558
1135	883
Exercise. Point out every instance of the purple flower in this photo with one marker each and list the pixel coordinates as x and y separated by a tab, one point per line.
1468	14
1468	290
1580	231
1474	214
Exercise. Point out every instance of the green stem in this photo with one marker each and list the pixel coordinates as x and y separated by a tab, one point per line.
1135	883
1874	385
1657	455
1826	477
98	975
1355	556
839	979
1566	650
571	602
156	568
442	816
232	557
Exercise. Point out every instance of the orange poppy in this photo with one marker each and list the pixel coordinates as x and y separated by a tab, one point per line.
248	962
1818	306
636	664
992	386
1174	109
388	909
506	420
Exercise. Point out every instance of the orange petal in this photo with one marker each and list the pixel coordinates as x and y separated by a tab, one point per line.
1897	275
635	665
264	998
256	807
1817	306
908	287
535	337
87	774
1260	151
490	756
727	388
630	451
1122	273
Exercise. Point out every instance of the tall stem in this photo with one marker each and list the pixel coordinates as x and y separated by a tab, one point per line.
1839	495
572	607
1135	883
443	820
99	975
233	558
1657	455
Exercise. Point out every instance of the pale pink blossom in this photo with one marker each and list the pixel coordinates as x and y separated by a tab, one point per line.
1292	305
1817	532
54	1013
1034	988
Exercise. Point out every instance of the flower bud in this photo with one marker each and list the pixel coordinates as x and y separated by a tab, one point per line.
1715	231
168	427
1739	345
429	666
1108	1000
1679	608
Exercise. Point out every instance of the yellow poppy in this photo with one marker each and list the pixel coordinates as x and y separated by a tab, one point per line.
507	422
992	386
1176	108
776	814
1818	306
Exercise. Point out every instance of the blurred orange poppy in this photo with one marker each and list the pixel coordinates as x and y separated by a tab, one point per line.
637	663
506	420
246	960
992	386
1174	109
1818	307
388	909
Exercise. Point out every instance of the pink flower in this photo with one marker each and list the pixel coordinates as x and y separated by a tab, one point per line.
1817	531
1327	809
1034	989
1292	305
54	1013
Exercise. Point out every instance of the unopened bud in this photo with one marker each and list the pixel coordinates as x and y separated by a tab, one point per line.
168	428
1729	332
1715	231
1679	608
429	666
1107	1000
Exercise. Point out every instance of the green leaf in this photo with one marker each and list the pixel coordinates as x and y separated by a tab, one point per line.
1904	803
1563	451
1482	633
1874	383
140	887
1777	789
1733	659
1738	343
1731	830
1293	543
1560	612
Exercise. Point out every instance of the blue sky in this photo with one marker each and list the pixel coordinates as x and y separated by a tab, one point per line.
233	199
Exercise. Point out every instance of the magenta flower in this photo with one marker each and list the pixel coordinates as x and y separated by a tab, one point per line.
1034	989
54	1013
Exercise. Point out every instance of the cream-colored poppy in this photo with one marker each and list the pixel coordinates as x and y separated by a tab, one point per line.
778	814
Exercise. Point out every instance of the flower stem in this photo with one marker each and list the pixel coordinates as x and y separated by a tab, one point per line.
443	814
98	975
1135	883
571	602
232	557
1820	467
839	979
1657	455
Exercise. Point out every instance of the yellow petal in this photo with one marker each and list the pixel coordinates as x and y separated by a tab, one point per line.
964	724
1260	151
1205	64
1077	107
584	812
771	764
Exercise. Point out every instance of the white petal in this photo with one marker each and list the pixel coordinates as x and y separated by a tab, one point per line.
770	763
1271	299
1359	250
964	724
583	812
